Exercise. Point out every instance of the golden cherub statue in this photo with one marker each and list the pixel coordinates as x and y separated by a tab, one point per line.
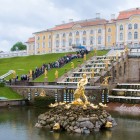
56	74
80	92
45	73
105	82
14	74
92	74
72	65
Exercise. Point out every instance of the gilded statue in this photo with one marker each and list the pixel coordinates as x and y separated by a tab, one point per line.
85	57
42	94
72	65
92	73
106	64
106	79
30	73
14	74
56	74
80	91
45	73
95	51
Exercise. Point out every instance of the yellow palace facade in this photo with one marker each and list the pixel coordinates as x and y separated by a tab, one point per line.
92	33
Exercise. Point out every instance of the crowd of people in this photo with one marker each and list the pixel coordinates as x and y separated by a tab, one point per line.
57	64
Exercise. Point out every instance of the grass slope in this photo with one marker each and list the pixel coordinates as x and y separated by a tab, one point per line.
22	65
9	93
67	67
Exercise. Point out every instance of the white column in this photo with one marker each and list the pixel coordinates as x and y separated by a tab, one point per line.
80	37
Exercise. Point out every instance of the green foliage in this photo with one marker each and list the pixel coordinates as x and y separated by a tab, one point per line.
9	93
2	84
40	101
18	46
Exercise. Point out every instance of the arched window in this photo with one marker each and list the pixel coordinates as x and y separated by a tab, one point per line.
135	26
77	41
44	37
63	42
121	36
91	40
121	27
57	36
64	34
99	39
99	30
129	26
57	43
91	31
129	36
77	33
135	35
70	34
84	41
70	42
109	30
84	32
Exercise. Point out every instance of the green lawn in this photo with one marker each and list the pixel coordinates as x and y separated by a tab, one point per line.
22	65
9	93
67	67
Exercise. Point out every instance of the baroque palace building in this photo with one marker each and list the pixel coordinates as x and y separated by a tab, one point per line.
92	33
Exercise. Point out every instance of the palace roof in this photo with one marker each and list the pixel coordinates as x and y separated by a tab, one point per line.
128	13
82	23
31	39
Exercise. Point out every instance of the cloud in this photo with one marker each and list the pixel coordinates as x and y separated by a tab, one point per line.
20	18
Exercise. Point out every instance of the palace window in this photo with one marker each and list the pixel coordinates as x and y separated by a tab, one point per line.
129	26
91	40
64	35
77	33
109	39
121	27
121	36
99	30
135	26
135	35
57	43
70	42
77	41
129	36
49	44
70	34
91	32
109	30
37	45
43	44
38	38
84	41
84	32
99	39
57	36
49	36
63	43
44	37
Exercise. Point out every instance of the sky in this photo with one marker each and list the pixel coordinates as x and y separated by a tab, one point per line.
19	19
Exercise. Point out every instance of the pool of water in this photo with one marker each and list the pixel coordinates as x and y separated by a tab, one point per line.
17	123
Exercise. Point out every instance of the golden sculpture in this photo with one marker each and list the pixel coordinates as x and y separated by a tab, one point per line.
56	74
80	91
117	56
85	57
126	49
45	73
102	105
108	124
14	74
105	82
42	94
72	65
106	65
56	126
30	73
95	51
92	74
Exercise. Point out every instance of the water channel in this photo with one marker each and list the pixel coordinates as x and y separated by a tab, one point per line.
17	123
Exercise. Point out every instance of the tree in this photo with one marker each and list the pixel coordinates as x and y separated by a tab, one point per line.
18	46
